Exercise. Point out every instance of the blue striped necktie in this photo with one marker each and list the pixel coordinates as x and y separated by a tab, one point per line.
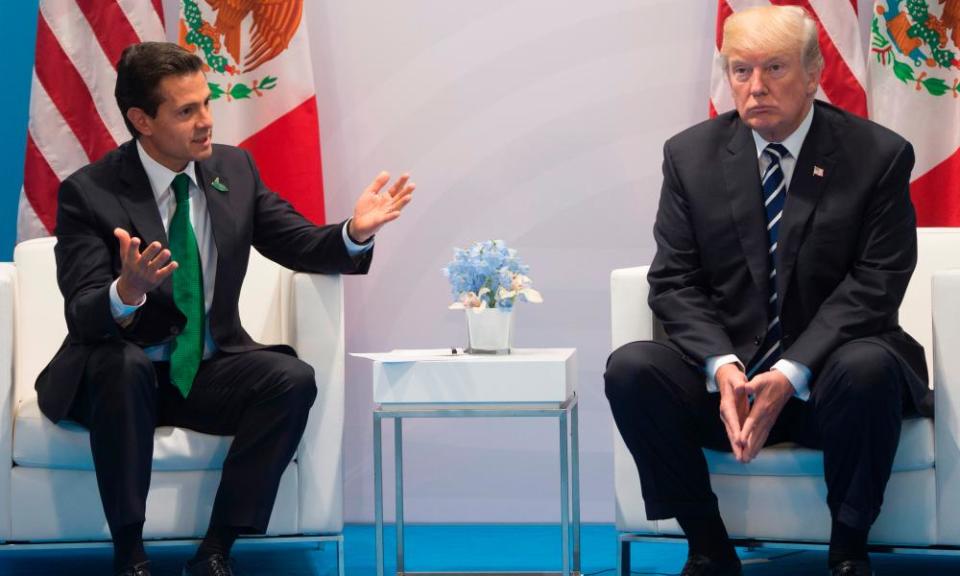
774	196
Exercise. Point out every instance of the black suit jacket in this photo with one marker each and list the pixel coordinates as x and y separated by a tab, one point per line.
847	244
115	191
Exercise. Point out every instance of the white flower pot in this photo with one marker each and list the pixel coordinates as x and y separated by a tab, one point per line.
490	330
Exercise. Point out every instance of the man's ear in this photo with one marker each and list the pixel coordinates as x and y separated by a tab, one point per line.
140	120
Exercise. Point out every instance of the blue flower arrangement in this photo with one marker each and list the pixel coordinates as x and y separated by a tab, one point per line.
489	275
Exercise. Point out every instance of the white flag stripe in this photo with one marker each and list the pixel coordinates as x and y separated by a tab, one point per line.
77	40
739	5
144	19
835	15
28	224
55	141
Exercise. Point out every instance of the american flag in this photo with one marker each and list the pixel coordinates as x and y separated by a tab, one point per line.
844	74
74	118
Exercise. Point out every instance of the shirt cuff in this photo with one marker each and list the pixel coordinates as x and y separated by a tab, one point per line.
118	309
714	363
354	249
797	374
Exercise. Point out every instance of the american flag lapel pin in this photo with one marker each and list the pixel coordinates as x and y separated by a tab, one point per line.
818	171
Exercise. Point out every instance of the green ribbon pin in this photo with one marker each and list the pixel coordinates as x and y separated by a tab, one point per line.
219	185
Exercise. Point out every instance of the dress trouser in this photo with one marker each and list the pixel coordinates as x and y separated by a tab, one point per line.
665	415
262	398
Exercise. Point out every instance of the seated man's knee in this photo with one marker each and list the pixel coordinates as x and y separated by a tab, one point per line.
299	382
863	372
119	366
630	367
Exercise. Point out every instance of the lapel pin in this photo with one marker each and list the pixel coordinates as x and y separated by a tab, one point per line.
818	171
223	187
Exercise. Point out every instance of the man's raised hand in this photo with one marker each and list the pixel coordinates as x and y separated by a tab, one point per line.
374	209
140	272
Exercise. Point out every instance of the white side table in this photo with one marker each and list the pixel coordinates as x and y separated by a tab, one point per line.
438	384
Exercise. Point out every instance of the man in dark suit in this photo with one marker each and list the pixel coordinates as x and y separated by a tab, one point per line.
153	242
785	241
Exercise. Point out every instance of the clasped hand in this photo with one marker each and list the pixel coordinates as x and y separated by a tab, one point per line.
748	426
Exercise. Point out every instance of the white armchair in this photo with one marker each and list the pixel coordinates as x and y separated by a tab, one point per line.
781	495
48	491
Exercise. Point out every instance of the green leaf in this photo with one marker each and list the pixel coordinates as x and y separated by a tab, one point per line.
240	91
936	86
215	90
268	83
903	71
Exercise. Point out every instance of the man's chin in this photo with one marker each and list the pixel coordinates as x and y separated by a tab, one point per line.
203	152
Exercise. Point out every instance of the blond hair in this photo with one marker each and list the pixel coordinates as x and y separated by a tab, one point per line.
771	29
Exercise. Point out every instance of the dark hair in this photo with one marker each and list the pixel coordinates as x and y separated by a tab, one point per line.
140	70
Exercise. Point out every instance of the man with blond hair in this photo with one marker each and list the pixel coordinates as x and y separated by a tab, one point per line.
785	242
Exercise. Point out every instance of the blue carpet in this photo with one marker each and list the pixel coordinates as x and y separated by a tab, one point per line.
458	548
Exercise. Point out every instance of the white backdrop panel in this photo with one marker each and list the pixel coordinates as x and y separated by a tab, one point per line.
535	121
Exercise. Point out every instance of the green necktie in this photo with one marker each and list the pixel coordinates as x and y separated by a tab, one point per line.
187	350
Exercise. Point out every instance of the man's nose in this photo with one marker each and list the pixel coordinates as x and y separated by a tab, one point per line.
757	85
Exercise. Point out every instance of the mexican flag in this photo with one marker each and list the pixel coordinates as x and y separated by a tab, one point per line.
914	72
262	94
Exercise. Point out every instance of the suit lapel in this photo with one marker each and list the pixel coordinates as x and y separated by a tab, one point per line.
138	200
810	178
218	206
741	172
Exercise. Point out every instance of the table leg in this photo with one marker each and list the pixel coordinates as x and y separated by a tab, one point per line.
575	458
398	458
378	490
564	496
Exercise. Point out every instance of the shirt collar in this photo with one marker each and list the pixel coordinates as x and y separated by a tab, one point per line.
159	175
793	142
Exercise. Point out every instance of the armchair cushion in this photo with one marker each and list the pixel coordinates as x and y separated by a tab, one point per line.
39	443
915	452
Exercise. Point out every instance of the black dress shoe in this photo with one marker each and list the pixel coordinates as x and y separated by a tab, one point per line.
141	569
852	568
700	565
215	565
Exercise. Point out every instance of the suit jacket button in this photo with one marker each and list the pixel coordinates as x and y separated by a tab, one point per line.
174	330
757	341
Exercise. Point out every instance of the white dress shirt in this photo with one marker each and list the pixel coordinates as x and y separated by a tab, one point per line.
796	373
161	178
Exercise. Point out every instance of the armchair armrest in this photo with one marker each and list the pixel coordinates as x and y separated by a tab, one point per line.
8	283
946	377
315	330
631	318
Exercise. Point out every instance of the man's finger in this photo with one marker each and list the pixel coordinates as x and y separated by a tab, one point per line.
404	193
133	250
399	204
378	182
167	270
399	185
123	237
150	252
159	260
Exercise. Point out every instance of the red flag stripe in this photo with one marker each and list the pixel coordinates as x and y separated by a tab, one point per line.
288	150
724	11
838	82
158	6
935	195
852	3
70	94
110	25
40	185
